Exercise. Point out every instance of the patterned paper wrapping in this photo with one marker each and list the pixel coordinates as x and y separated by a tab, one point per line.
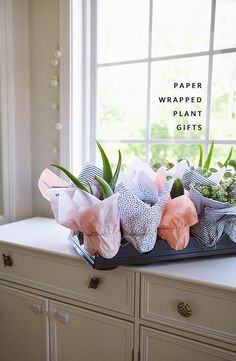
98	220
141	204
215	218
139	220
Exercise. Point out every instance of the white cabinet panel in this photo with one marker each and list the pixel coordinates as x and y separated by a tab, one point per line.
161	346
115	290
23	326
77	334
212	311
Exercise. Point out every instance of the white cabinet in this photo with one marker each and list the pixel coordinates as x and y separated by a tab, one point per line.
212	312
53	307
24	325
83	335
75	334
161	346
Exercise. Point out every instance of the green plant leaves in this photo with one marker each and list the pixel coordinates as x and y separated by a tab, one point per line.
90	187
228	158
107	172
117	171
200	162
209	157
105	187
232	162
107	183
177	189
75	180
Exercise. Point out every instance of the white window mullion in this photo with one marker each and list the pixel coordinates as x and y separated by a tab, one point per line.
93	94
147	144
210	70
86	79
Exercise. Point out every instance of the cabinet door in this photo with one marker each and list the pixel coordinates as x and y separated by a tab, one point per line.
81	335
23	326
162	346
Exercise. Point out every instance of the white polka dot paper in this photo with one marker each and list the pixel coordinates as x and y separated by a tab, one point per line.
139	221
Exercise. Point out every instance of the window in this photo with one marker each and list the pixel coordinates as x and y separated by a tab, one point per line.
137	50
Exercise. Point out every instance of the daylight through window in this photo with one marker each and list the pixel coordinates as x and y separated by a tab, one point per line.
163	78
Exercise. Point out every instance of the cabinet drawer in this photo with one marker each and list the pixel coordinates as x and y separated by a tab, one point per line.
71	278
210	312
157	345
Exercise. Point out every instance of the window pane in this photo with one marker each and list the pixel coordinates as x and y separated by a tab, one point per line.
128	152
165	116
122	30
221	152
181	26
122	93
173	152
225	24
223	110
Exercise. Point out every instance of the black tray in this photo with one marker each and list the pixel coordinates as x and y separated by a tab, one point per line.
128	255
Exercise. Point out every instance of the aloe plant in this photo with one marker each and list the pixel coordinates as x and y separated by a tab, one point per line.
117	171
75	180
105	187
209	157
107	183
228	158
200	156
107	171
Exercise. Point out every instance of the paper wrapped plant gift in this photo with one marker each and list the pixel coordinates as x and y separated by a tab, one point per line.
101	208
99	220
216	218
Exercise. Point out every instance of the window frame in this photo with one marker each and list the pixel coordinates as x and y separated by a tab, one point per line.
85	73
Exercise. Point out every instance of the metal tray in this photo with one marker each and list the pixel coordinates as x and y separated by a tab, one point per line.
128	255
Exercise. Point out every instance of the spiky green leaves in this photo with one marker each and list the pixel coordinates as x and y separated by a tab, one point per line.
228	158
209	157
75	180
107	171
177	189
200	156
107	182
117	171
105	187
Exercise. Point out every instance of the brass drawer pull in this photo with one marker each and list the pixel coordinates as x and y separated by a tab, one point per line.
94	282
7	260
184	309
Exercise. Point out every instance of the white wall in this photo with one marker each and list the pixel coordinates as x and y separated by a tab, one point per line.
43	41
29	36
15	109
22	136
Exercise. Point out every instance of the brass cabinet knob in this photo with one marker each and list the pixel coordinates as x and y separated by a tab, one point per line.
184	309
94	282
7	260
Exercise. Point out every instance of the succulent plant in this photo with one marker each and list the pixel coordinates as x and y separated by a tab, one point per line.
107	183
224	191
